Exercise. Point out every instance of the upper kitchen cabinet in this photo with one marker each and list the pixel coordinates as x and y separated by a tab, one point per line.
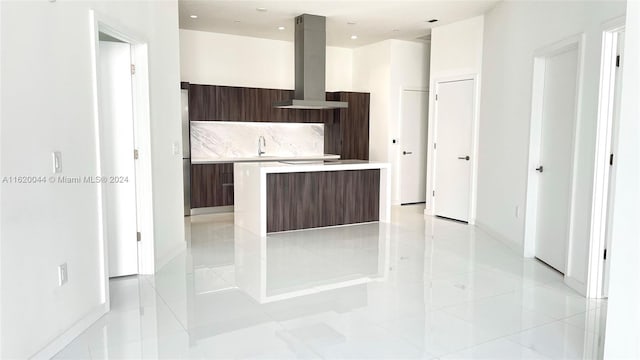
222	103
347	133
231	103
201	101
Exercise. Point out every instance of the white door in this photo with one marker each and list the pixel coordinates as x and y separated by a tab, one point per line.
556	157
454	119
117	147
613	149
413	142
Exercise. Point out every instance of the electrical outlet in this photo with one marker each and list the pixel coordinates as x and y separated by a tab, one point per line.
63	275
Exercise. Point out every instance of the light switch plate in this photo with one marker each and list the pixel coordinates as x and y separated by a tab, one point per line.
63	276
57	162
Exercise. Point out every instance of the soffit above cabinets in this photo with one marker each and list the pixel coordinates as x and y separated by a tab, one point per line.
369	21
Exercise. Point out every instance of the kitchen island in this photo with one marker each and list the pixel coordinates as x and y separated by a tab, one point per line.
282	196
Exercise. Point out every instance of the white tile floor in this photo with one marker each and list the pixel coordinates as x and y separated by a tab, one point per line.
417	288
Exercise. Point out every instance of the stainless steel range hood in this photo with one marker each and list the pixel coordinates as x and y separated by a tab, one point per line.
310	45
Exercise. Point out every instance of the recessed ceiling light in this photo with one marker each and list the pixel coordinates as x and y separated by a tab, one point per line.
353	37
432	20
193	16
280	27
261	9
351	23
236	21
396	30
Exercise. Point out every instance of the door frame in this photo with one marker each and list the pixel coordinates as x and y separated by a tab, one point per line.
142	137
535	137
398	151
602	170
432	129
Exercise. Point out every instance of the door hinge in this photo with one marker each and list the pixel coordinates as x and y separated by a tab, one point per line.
136	154
434	145
133	69
433	193
605	254
436	97
138	236
611	159
617	60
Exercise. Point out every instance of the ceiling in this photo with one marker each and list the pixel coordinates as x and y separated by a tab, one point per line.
370	21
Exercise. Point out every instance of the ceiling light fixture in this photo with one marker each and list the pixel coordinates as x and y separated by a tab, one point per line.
261	9
236	21
432	20
353	37
280	27
351	23
193	16
396	30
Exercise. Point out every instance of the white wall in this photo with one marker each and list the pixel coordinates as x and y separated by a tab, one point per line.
623	311
46	64
223	59
513	32
456	50
372	74
385	69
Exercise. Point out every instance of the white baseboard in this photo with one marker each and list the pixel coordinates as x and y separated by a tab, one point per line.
509	243
169	255
578	286
212	210
73	332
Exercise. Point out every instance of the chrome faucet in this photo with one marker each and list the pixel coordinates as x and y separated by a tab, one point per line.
261	143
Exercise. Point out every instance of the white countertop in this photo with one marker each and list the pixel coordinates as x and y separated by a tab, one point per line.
308	166
265	158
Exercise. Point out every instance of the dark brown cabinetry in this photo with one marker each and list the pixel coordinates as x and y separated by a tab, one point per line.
325	198
211	185
230	103
346	130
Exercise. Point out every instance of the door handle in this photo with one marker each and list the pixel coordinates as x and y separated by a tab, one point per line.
540	168
407	153
464	158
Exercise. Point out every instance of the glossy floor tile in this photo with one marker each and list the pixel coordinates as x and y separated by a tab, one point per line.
419	287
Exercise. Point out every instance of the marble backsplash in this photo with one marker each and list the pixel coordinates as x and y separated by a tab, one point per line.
229	139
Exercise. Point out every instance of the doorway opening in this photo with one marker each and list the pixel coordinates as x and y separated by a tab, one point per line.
605	162
550	185
413	141
122	123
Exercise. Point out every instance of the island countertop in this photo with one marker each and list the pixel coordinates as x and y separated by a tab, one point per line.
264	158
306	194
308	166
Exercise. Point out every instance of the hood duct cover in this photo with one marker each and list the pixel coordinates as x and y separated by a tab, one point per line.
310	46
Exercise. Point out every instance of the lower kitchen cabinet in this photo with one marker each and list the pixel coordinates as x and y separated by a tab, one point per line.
211	185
